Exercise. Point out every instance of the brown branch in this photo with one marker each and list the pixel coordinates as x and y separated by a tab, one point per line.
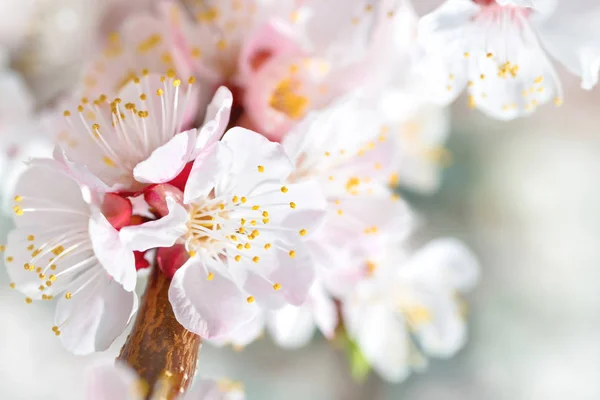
158	346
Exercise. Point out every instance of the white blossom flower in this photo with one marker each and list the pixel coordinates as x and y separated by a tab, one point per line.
498	50
121	144
352	156
119	382
63	246
244	228
410	296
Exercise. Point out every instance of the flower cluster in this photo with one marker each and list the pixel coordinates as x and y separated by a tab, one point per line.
251	151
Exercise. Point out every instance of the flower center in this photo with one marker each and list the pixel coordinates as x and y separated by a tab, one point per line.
203	220
287	100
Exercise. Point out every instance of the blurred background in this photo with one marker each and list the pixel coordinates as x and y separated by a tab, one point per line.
523	195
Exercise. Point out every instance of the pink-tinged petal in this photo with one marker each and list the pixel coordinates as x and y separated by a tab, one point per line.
79	172
163	232
91	320
167	161
381	337
209	308
295	274
170	259
324	310
251	151
262	290
117	210
308	212
284	90
207	389
360	219
244	335
207	171
156	198
292	327
114	381
272	39
115	257
216	119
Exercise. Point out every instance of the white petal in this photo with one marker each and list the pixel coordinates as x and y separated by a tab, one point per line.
382	339
211	165
244	335
292	327
116	259
208	308
163	232
207	389
112	382
324	310
445	263
444	333
251	150
94	318
167	161
570	34
295	274
216	119
41	185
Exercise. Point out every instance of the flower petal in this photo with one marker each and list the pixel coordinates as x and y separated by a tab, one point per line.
167	161
209	308
91	320
163	232
251	151
208	169
115	381
382	339
292	327
116	259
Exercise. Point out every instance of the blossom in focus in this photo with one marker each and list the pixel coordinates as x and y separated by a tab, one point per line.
406	306
244	229
119	382
498	50
64	247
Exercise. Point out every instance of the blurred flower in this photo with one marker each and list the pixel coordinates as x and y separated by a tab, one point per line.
497	50
20	130
119	382
402	296
351	155
284	58
244	231
64	246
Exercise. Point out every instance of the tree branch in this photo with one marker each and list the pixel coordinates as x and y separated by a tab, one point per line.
158	346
